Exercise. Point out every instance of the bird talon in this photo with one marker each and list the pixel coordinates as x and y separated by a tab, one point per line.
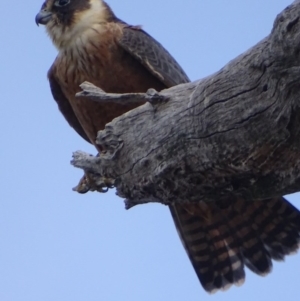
83	186
92	182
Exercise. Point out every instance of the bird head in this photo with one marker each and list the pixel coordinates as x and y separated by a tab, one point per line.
66	20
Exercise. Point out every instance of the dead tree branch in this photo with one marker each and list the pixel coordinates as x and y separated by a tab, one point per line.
234	132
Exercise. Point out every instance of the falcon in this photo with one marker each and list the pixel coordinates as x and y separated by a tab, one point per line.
220	237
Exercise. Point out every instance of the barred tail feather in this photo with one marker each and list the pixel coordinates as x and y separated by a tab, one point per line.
222	237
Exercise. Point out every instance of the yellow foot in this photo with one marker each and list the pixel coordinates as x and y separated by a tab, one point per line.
94	182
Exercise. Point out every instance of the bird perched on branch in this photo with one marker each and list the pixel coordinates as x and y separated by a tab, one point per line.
95	46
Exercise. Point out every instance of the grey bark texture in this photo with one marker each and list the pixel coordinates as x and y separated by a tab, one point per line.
236	132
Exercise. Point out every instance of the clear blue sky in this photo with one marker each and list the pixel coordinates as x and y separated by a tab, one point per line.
58	245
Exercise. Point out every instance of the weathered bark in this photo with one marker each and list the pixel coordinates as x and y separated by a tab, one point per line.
236	132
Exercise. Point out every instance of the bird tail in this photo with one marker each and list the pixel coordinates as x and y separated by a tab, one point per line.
222	237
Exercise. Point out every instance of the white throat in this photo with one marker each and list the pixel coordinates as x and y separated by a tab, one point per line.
63	37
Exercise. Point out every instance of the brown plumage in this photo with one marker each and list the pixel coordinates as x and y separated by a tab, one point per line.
223	237
94	45
99	48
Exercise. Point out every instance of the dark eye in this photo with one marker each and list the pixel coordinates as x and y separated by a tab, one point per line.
61	3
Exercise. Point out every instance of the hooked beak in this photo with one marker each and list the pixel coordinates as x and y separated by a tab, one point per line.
43	17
